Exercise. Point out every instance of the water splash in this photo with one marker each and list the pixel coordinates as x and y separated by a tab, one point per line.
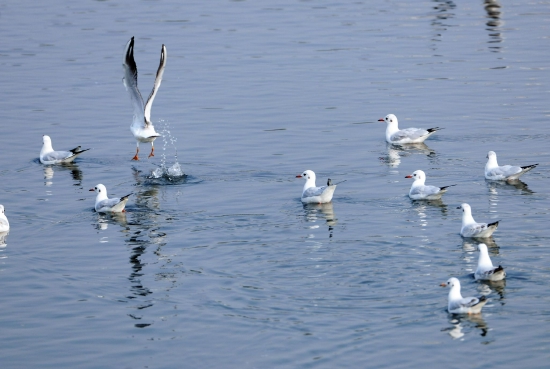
166	171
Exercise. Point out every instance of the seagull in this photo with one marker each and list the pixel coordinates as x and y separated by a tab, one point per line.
462	305
49	156
141	127
405	136
419	191
472	229
485	269
506	172
4	224
313	194
103	204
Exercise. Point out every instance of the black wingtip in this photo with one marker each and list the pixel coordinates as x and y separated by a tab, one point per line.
130	56
125	197
529	166
433	129
78	150
499	269
445	187
482	298
493	224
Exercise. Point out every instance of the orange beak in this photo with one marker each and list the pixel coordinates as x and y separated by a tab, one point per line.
381	119
299	176
409	176
443	284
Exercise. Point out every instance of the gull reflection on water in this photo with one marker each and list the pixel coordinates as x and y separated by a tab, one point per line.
396	152
460	322
315	212
495	186
104	219
493	9
139	224
49	172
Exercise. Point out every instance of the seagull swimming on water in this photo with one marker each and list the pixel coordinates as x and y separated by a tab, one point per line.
405	136
419	191
505	172
485	269
470	228
462	305
103	204
49	156
142	127
315	195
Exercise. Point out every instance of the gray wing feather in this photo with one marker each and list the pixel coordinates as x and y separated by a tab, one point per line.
57	155
158	80
465	302
108	203
130	82
313	191
475	228
411	133
425	190
505	170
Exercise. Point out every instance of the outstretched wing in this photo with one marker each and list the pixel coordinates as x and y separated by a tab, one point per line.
131	84
158	80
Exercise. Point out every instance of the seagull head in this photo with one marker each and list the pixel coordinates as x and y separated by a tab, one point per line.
417	175
99	189
452	282
390	118
465	208
491	154
307	174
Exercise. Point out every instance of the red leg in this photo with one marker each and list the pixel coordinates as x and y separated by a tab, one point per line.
136	156
152	150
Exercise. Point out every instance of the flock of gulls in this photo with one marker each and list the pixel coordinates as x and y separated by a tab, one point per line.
143	130
420	191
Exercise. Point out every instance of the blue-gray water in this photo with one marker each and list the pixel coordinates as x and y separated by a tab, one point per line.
227	268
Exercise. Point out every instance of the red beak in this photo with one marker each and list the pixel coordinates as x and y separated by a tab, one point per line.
299	176
381	119
409	176
92	189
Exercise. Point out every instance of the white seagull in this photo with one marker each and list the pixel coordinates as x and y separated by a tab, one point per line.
4	224
103	204
506	172
315	195
462	305
419	191
49	156
470	228
141	127
405	136
485	269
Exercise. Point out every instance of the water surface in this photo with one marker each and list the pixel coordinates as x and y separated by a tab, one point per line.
225	267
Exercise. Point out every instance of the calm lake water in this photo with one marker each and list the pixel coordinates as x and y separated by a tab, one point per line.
226	268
